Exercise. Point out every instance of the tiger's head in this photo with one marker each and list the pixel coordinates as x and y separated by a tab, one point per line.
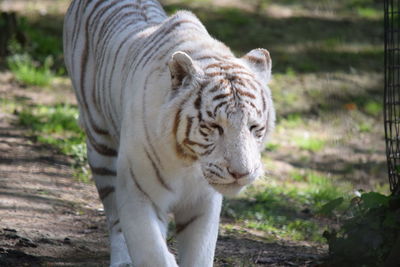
220	113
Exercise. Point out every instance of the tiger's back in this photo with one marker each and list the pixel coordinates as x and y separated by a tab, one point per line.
97	37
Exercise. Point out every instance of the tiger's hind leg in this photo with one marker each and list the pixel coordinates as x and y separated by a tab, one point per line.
104	175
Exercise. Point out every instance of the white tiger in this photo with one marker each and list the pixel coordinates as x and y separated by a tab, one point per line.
172	119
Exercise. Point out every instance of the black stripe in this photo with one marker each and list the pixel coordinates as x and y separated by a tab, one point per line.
113	63
244	93
115	223
248	84
219	106
203	133
188	126
193	143
101	148
224	66
146	130
179	149
89	25
263	100
79	14
197	103
157	171
105	191
164	34
180	227
206	57
84	59
217	167
105	39
214	74
208	152
99	14
96	128
217	97
102	171
146	195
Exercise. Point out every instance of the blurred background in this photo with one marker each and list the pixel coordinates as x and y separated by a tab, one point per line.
328	91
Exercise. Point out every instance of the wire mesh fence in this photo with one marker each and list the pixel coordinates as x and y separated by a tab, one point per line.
392	91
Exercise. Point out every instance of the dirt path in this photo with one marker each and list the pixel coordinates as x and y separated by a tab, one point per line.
46	218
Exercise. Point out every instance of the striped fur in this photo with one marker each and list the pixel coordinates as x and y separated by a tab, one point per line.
172	119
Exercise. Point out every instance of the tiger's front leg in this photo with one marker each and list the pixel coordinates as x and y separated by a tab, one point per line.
144	226
197	231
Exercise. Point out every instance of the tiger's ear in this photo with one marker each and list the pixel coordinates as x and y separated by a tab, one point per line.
181	65
259	61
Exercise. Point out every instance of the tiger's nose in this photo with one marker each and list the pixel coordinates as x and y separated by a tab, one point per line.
237	175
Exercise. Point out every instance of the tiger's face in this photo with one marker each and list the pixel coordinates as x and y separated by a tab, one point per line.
233	159
224	114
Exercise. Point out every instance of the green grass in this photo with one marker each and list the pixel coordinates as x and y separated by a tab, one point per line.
365	127
8	106
369	13
373	108
291	121
288	209
57	126
43	39
39	58
307	142
28	72
58	119
272	147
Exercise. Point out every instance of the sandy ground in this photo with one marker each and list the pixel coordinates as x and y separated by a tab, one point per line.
45	216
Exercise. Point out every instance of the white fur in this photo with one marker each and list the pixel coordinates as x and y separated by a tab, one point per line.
137	97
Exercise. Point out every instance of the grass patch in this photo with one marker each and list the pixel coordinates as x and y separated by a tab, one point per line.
37	57
8	106
291	121
57	126
30	72
289	209
369	13
373	108
43	39
58	119
316	188
310	143
364	127
272	147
